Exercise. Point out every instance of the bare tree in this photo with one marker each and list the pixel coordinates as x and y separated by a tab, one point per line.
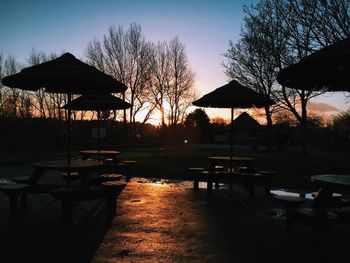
161	77
179	84
276	33
251	60
329	21
10	97
127	56
47	105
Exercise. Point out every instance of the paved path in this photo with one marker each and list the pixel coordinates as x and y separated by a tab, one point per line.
164	223
168	223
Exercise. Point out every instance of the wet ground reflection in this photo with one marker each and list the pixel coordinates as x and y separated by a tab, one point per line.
289	193
165	221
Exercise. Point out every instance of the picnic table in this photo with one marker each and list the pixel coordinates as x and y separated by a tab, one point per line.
216	160
329	184
82	167
247	162
106	154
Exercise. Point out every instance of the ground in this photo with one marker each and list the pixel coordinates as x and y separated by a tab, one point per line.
172	223
163	221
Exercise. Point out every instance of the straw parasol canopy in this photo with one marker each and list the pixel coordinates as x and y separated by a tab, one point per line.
233	95
65	74
327	69
97	102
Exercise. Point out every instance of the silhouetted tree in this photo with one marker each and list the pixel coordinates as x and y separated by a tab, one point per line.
249	61
199	120
341	124
10	97
179	93
282	31
161	77
127	56
46	104
172	81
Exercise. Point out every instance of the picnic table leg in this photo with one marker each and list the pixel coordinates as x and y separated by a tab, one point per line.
216	184
196	182
267	185
251	185
230	181
210	184
323	198
211	173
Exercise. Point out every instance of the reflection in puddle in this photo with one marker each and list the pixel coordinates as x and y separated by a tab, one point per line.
158	184
286	192
4	181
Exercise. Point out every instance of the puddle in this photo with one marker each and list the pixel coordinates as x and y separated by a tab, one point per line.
6	181
289	193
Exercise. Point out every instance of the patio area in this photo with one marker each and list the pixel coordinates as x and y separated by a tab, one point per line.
164	221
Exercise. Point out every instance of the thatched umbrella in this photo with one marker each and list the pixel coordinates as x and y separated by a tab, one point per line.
327	69
97	102
233	95
67	75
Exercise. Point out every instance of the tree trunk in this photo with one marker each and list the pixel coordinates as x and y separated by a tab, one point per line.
269	139
304	130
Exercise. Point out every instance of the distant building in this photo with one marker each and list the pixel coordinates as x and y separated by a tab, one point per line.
246	130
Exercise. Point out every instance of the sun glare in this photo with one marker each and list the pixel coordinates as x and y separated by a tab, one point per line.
156	118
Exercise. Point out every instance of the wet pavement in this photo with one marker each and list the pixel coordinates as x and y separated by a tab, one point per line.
171	222
164	221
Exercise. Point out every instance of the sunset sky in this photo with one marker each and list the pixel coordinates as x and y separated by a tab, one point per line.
205	27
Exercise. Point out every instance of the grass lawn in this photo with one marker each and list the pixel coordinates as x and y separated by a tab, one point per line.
293	169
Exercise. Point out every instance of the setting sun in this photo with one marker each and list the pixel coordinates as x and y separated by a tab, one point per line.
156	118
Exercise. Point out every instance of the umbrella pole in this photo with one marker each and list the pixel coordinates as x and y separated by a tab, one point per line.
98	135
68	131
231	138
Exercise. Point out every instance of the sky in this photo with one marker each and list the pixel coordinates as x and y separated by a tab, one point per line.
204	26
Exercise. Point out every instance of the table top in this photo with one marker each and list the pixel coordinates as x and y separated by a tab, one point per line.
333	179
63	164
228	158
101	152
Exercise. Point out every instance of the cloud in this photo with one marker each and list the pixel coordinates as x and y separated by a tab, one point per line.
321	107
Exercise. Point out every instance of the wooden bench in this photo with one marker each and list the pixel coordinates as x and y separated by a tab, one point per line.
290	203
70	177
122	167
112	189
109	161
14	191
110	177
261	177
33	187
68	195
217	177
319	219
195	176
343	214
336	199
129	164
